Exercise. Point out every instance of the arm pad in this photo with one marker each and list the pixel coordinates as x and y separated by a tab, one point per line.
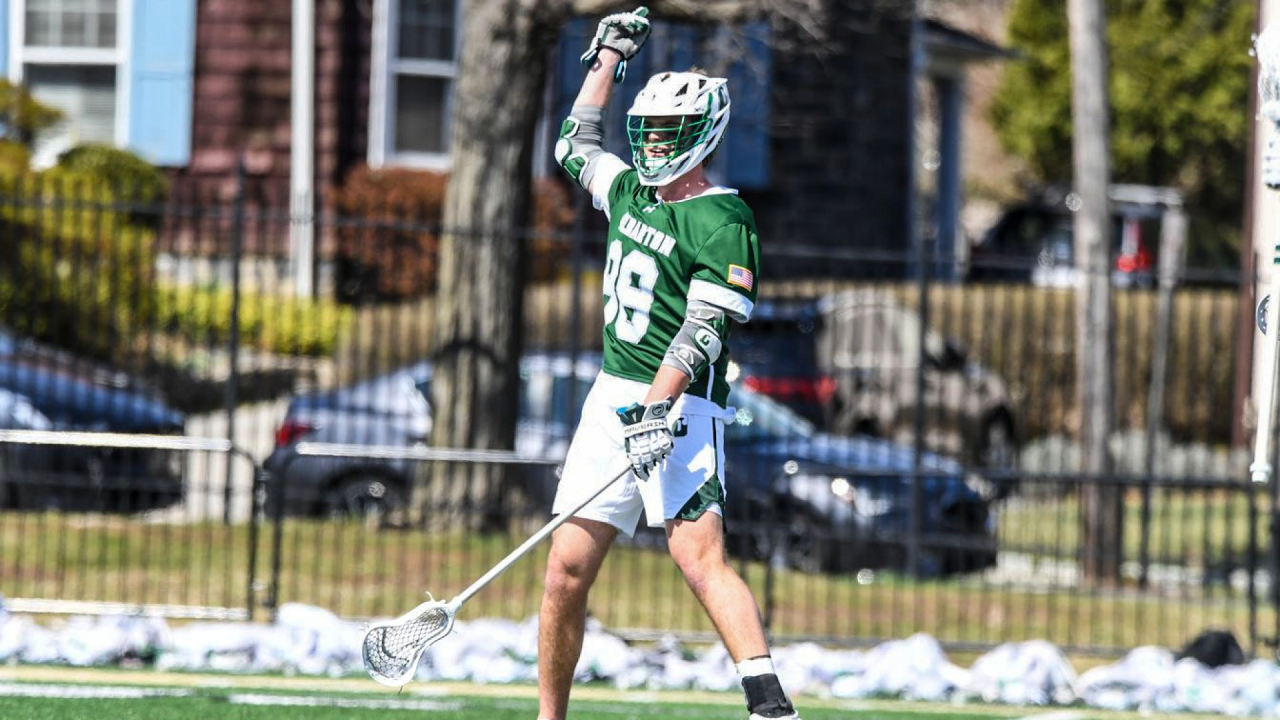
699	341
579	146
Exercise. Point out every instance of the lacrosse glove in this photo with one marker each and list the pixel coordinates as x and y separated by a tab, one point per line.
624	33
646	435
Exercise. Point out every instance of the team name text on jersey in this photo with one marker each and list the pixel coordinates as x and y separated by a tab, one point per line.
655	240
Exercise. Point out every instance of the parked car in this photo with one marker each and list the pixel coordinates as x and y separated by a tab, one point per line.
776	354
815	501
394	410
42	388
1034	241
823	502
848	362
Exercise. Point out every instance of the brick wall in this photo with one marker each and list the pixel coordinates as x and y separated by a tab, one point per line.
242	95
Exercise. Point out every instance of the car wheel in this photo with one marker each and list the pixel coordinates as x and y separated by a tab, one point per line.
364	496
8	497
998	447
807	545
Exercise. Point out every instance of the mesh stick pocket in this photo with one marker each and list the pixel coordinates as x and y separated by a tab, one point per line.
391	651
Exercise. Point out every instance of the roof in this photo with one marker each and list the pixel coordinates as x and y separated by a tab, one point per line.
948	44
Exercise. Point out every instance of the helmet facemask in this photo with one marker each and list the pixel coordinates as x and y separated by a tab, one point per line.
659	142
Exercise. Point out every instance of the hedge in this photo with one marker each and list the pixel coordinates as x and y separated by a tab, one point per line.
268	322
73	270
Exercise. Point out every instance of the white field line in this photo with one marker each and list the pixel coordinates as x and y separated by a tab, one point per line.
364	703
123	692
628	709
1056	715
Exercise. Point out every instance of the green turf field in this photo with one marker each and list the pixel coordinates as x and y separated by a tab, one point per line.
239	705
62	693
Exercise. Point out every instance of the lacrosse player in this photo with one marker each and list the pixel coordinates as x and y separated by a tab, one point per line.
681	266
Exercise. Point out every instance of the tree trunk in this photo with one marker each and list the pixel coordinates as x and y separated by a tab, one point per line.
1101	512
477	340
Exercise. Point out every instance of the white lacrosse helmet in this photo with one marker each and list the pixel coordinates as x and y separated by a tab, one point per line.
677	120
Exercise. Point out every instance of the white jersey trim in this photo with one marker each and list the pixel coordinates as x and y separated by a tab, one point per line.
716	190
738	307
607	169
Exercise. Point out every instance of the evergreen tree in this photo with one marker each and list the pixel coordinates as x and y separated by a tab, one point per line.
1180	85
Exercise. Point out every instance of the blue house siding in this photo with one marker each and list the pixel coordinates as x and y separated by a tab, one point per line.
746	143
4	38
161	69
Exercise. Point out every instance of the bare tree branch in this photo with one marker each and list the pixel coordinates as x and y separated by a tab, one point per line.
808	15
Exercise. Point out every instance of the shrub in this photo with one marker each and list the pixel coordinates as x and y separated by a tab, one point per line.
22	117
130	178
268	322
15	160
388	239
73	271
390	249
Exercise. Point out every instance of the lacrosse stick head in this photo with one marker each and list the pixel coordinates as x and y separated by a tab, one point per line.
1266	48
391	650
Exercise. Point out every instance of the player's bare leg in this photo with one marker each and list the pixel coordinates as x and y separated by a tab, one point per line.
577	550
697	546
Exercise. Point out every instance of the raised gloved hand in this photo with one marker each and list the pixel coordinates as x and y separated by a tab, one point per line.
624	33
646	435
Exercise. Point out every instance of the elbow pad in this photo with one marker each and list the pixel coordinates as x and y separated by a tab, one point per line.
579	146
699	341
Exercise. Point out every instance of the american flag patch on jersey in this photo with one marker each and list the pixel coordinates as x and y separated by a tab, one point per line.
740	276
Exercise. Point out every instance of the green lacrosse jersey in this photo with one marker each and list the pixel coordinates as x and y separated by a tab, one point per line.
660	255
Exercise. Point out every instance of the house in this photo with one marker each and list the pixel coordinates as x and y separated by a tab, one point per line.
120	69
823	142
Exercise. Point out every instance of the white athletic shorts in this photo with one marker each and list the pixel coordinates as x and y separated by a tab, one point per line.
688	483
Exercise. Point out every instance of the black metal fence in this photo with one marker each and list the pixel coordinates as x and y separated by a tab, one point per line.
911	463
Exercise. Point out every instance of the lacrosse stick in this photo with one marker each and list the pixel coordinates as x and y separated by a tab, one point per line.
1267	49
392	649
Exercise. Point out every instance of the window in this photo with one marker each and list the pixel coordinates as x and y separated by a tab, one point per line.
415	62
71	54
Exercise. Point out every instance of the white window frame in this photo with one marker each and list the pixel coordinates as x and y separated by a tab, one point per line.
20	55
384	67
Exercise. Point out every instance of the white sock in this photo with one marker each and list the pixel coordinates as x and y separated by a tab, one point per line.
756	666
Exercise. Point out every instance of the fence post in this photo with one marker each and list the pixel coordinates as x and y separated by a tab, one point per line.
255	510
1172	235
277	533
233	342
1251	562
925	248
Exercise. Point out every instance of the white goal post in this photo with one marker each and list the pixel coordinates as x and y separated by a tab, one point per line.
1266	49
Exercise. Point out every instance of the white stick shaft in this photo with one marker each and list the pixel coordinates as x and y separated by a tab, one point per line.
525	547
1260	470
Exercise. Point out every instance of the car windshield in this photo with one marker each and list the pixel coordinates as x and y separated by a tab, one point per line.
769	418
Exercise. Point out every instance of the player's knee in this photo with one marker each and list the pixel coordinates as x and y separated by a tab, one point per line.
568	574
697	562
